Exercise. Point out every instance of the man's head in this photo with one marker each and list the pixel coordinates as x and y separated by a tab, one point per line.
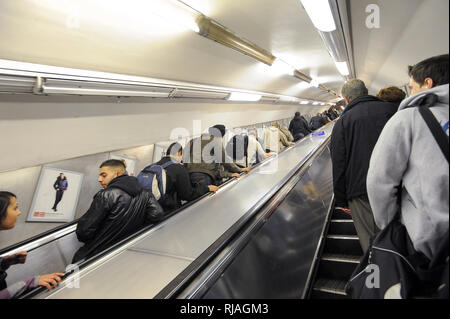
353	89
297	114
175	150
109	170
428	74
217	130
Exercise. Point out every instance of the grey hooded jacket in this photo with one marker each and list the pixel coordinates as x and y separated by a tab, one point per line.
407	153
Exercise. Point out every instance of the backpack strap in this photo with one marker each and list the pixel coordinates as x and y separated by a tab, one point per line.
167	164
424	103
436	130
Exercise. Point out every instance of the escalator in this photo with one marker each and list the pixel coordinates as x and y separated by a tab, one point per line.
273	221
339	258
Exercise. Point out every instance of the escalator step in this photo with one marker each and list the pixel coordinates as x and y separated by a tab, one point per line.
342	227
343	237
339	214
330	286
341	258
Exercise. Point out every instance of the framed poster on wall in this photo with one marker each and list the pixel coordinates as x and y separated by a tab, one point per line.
129	162
56	196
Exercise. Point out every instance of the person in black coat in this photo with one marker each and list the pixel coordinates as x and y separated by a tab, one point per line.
298	127
352	141
178	184
316	122
120	209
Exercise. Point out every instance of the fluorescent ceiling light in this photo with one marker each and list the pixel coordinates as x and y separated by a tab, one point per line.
288	98
319	12
304	102
100	92
281	67
239	96
316	103
322	103
342	68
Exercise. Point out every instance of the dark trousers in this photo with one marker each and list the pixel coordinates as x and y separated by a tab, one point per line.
298	137
363	220
59	195
201	179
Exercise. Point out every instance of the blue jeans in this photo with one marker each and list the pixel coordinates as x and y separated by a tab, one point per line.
200	179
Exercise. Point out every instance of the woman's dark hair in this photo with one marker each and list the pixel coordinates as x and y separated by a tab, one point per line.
391	94
5	200
435	68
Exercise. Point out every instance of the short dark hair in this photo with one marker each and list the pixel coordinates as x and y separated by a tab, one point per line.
5	200
435	68
217	128
297	114
174	148
114	163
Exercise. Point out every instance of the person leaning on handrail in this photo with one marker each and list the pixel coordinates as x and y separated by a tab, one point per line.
9	211
120	209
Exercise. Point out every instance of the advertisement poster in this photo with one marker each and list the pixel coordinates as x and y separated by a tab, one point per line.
129	162
56	196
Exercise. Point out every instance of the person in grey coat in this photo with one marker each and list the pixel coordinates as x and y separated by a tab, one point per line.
407	154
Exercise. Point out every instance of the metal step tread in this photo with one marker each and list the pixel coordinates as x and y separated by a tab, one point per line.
342	220
341	258
331	286
348	237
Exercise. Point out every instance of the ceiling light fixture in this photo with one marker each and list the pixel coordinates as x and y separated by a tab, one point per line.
100	92
325	15
245	97
319	12
214	31
342	68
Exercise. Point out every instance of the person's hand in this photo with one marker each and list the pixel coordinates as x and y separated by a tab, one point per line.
235	175
292	143
266	155
245	169
50	281
17	258
213	188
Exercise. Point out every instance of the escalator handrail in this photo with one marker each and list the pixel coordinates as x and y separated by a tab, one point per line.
200	263
15	247
117	245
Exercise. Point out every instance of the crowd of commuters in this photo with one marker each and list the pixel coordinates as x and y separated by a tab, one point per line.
388	165
381	151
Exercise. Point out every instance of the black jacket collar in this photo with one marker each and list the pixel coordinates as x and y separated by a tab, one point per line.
128	184
365	98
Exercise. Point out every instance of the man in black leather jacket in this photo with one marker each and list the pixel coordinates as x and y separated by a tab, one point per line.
120	209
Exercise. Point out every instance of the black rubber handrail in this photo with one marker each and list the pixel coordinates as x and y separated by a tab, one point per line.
92	259
199	264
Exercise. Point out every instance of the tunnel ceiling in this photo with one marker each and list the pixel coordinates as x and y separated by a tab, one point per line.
125	37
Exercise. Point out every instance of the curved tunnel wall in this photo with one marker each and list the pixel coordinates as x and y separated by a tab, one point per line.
79	133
